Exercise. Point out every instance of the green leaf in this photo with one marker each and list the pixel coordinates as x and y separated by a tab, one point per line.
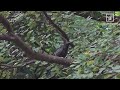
117	76
117	13
107	76
116	67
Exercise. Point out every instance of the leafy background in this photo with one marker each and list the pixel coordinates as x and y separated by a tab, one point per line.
96	52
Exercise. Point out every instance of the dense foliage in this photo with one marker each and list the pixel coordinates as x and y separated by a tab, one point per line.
96	52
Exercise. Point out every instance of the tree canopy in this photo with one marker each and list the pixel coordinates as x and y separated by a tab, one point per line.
28	41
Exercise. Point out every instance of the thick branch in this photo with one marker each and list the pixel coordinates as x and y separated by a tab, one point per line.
27	49
40	56
6	37
6	24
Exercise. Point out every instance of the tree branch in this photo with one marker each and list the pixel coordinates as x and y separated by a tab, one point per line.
6	37
58	29
27	49
6	24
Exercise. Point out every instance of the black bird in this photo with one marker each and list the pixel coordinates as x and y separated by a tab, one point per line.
63	50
